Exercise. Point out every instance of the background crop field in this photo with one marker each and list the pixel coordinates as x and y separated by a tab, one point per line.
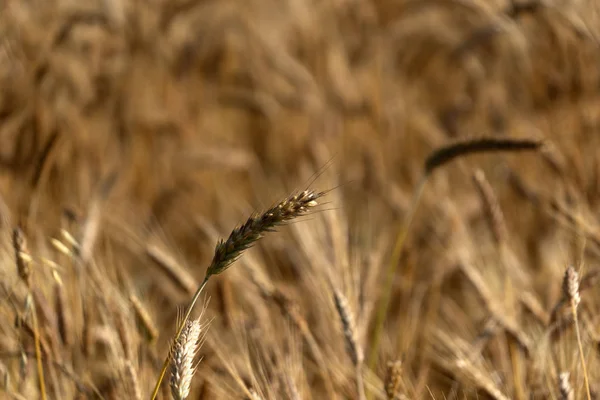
135	134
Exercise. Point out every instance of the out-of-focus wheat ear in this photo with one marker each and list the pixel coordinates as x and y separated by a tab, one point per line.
353	347
570	286
393	380
172	268
182	359
492	208
22	257
570	289
89	232
150	331
484	144
564	386
131	381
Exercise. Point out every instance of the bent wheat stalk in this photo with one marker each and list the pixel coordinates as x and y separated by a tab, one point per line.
436	159
242	238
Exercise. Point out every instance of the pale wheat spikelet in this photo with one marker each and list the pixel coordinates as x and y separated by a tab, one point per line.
564	385
571	293
343	309
352	345
393	380
244	236
570	286
182	360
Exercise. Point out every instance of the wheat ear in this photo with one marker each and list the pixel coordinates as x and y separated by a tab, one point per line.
182	359
393	380
242	238
571	293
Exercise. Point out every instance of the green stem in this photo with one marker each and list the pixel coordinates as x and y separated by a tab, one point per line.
179	330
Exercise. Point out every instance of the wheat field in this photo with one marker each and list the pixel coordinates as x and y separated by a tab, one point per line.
393	199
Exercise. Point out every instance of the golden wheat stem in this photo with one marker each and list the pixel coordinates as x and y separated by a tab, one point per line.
182	325
391	272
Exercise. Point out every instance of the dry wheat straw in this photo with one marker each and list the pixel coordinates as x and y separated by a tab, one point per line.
571	293
182	359
435	160
172	268
242	238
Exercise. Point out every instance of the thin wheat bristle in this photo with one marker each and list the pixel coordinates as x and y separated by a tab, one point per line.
446	154
571	286
244	236
564	386
393	380
492	208
182	360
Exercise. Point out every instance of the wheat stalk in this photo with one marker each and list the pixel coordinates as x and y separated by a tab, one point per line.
242	238
435	160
